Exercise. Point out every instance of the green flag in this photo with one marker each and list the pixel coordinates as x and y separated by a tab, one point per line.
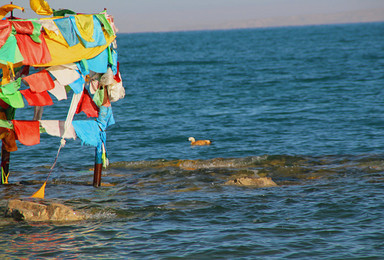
11	87
14	100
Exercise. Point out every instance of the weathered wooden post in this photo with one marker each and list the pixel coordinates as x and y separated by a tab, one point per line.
105	118
98	169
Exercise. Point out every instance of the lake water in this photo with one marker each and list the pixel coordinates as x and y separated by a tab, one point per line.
302	105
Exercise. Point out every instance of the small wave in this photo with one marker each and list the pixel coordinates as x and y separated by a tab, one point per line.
101	215
193	164
174	63
187	63
276	166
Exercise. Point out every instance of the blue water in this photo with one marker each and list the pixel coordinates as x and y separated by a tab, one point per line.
302	105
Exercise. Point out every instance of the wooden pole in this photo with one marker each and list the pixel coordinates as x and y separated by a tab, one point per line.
97	175
11	12
98	168
100	150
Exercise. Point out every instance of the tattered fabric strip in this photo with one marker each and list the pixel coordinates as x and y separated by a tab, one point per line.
88	132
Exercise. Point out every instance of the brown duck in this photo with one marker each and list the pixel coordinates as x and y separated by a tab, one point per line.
199	142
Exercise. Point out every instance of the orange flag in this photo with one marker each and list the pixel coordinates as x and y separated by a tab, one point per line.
40	193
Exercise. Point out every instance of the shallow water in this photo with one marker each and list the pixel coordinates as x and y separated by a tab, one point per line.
301	105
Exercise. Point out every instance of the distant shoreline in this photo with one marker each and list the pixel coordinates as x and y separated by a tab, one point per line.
249	28
361	16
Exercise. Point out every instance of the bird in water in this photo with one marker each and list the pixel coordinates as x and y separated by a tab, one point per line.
199	142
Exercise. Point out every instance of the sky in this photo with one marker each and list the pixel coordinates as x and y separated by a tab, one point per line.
175	15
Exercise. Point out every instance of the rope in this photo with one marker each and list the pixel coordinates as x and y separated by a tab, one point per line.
62	144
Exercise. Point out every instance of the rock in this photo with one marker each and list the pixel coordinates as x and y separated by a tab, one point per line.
259	182
33	211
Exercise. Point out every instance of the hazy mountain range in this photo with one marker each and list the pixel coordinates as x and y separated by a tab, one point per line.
373	15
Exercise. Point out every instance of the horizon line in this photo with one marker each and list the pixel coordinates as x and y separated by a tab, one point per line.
252	27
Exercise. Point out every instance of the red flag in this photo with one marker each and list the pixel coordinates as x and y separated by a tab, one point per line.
27	132
117	77
23	27
5	29
40	81
37	99
87	105
33	53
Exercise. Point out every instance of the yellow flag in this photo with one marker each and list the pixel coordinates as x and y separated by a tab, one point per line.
8	8
41	7
85	25
62	54
40	193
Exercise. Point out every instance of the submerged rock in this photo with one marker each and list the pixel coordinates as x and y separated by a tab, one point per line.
34	211
259	182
